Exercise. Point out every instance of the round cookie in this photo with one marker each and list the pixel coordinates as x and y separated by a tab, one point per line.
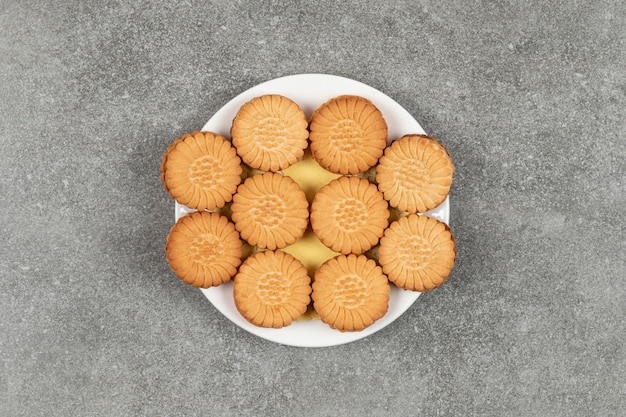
270	132
415	173
349	215
201	170
270	211
348	134
203	249
350	292
417	252
272	289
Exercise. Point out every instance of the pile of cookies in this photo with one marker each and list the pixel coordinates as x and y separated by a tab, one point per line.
244	200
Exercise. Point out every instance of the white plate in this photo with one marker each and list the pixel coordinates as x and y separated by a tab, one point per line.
309	91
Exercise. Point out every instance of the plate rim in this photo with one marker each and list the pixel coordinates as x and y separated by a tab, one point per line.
442	212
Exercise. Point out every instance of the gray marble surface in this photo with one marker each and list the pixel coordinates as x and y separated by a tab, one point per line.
530	99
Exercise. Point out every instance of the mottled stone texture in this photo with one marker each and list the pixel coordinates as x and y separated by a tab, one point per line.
530	99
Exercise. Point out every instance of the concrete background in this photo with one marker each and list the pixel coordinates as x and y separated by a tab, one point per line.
529	97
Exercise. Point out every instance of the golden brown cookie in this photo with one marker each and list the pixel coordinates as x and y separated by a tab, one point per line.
350	292
270	132
203	249
415	173
272	289
270	211
201	170
349	215
348	134
417	252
